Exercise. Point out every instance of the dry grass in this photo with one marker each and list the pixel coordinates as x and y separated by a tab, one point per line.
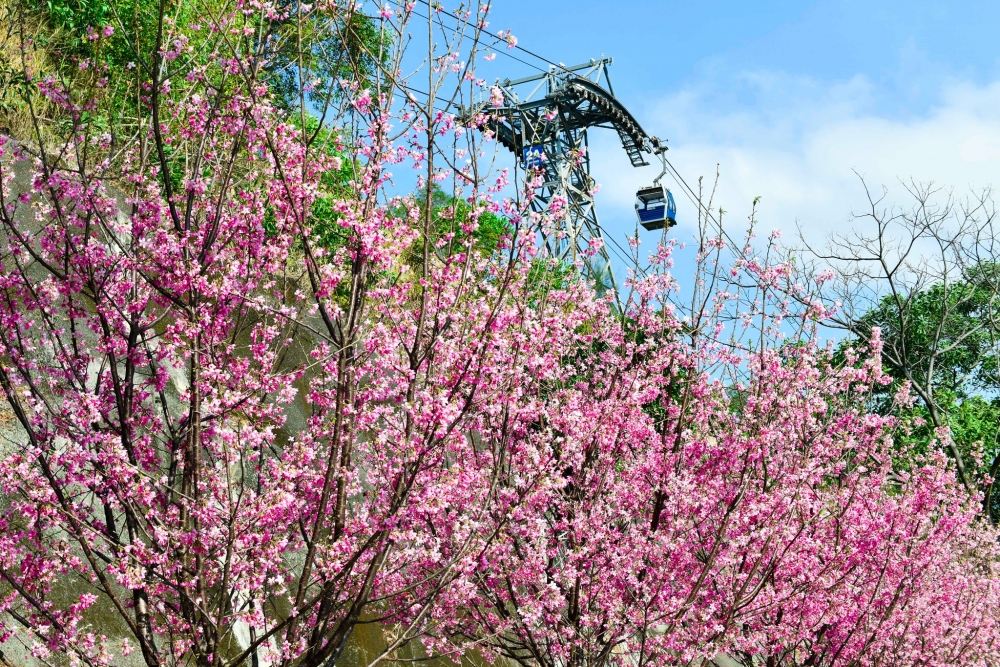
23	53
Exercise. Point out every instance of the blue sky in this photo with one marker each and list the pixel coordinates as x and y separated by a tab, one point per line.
673	44
789	98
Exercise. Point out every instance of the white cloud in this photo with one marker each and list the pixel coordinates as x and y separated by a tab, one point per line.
797	143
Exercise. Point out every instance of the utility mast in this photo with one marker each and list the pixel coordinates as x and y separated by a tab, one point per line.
543	119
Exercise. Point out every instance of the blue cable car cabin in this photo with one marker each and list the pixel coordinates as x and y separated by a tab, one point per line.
655	208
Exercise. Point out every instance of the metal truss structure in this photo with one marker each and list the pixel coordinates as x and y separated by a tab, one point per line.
543	120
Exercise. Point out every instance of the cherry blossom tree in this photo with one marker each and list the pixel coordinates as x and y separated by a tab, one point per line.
686	517
263	397
245	423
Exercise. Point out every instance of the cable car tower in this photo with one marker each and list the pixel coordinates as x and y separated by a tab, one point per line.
543	119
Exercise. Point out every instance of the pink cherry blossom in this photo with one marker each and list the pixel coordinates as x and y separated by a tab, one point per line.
252	412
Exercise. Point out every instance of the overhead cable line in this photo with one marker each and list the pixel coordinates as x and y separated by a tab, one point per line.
402	5
495	36
696	200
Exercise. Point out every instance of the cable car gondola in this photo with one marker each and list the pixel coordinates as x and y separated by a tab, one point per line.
655	208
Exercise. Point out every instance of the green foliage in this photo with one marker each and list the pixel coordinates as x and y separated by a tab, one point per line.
349	47
450	216
547	275
942	323
334	183
948	337
491	229
305	49
340	47
76	15
77	30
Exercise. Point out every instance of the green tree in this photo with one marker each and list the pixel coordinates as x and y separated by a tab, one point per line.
944	343
928	277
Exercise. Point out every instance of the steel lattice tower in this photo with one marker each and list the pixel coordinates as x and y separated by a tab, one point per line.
543	119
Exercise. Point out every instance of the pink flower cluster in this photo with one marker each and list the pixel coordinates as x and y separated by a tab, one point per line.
247	439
